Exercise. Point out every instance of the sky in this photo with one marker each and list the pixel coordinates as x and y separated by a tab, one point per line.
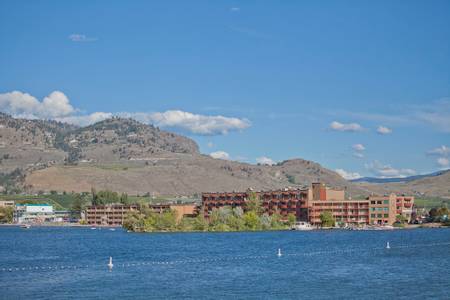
361	87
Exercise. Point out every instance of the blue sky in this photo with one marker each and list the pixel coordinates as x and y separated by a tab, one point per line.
248	80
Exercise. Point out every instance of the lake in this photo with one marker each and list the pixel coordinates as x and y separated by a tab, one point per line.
71	263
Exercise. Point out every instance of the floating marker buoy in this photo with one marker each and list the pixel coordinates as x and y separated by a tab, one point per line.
388	246
279	252
110	264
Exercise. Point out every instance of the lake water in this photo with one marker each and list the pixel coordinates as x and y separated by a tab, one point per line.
71	263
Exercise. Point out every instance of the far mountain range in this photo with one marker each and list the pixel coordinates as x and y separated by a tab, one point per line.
124	155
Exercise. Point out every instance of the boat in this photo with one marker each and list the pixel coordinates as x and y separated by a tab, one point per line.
25	226
302	226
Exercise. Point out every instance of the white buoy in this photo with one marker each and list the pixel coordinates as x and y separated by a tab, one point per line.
110	264
388	246
279	252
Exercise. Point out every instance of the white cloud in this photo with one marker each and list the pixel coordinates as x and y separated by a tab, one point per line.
57	106
24	105
387	171
263	160
84	120
443	162
220	155
193	123
358	155
384	130
352	127
348	175
441	151
358	147
235	9
77	37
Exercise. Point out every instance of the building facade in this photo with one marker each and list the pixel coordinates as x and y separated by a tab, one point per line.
33	213
283	202
310	203
115	214
108	215
6	203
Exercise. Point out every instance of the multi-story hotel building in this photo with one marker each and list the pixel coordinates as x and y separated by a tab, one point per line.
115	214
309	203
282	201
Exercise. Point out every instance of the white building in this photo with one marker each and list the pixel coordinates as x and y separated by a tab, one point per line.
33	213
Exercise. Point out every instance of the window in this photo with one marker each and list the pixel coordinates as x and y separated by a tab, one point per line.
386	208
386	215
372	202
379	215
386	201
372	215
379	202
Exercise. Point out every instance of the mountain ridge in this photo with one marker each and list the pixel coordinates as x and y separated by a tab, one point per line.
125	155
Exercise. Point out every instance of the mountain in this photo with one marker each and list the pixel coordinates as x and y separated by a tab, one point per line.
398	179
127	156
431	185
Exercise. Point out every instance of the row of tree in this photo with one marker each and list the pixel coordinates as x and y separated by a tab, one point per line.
222	219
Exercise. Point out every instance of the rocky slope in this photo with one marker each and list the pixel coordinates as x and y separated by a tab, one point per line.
127	156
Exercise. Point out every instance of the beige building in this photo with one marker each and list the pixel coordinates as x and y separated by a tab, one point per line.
6	203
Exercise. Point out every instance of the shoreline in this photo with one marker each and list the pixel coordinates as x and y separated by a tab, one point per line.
409	227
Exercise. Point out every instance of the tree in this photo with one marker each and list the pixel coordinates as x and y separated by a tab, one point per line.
251	220
6	214
401	219
77	206
254	203
200	223
291	219
327	219
124	198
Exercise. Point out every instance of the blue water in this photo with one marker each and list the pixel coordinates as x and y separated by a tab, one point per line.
72	264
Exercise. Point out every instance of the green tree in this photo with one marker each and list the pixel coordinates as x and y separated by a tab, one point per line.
77	206
327	219
254	203
401	219
276	222
6	214
124	198
200	223
291	219
251	220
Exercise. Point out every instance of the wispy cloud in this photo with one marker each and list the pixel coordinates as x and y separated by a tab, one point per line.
358	155
235	9
435	114
349	127
442	150
250	32
77	37
387	171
